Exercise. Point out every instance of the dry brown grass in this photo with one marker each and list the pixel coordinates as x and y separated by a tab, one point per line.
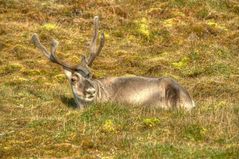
195	42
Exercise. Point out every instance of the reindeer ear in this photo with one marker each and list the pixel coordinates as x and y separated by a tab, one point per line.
68	74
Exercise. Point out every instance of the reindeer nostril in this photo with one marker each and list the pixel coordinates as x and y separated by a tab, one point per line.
91	90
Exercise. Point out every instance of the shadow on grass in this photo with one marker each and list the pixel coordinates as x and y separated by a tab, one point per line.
70	102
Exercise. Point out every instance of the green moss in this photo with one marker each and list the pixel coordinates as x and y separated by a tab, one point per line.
11	68
60	77
150	122
181	64
32	72
219	68
195	132
192	41
202	13
220	5
178	3
194	71
20	52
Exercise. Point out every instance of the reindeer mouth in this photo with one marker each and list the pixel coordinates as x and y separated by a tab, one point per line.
89	97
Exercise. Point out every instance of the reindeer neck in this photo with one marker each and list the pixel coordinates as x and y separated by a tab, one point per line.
102	94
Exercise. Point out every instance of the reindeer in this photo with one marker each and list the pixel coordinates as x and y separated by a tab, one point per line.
162	92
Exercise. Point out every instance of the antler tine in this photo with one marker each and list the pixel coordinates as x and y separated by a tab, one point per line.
96	28
37	43
55	59
51	56
54	45
93	56
93	51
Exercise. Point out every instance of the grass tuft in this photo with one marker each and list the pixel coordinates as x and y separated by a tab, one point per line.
192	41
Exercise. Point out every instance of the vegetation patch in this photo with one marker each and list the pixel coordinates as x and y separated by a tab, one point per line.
49	26
10	68
150	122
109	126
195	132
192	41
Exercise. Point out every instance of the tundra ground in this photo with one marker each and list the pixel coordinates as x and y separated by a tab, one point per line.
195	42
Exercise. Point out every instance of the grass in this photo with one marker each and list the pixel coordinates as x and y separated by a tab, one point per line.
196	42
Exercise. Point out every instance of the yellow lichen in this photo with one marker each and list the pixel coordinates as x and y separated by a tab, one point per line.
169	23
49	26
182	63
214	24
109	126
151	122
107	35
143	27
178	13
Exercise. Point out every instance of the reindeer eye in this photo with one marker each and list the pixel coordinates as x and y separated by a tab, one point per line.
74	79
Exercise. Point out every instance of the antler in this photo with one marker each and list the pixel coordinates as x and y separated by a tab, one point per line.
94	52
51	56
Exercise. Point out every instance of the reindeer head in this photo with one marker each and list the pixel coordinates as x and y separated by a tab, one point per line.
79	76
